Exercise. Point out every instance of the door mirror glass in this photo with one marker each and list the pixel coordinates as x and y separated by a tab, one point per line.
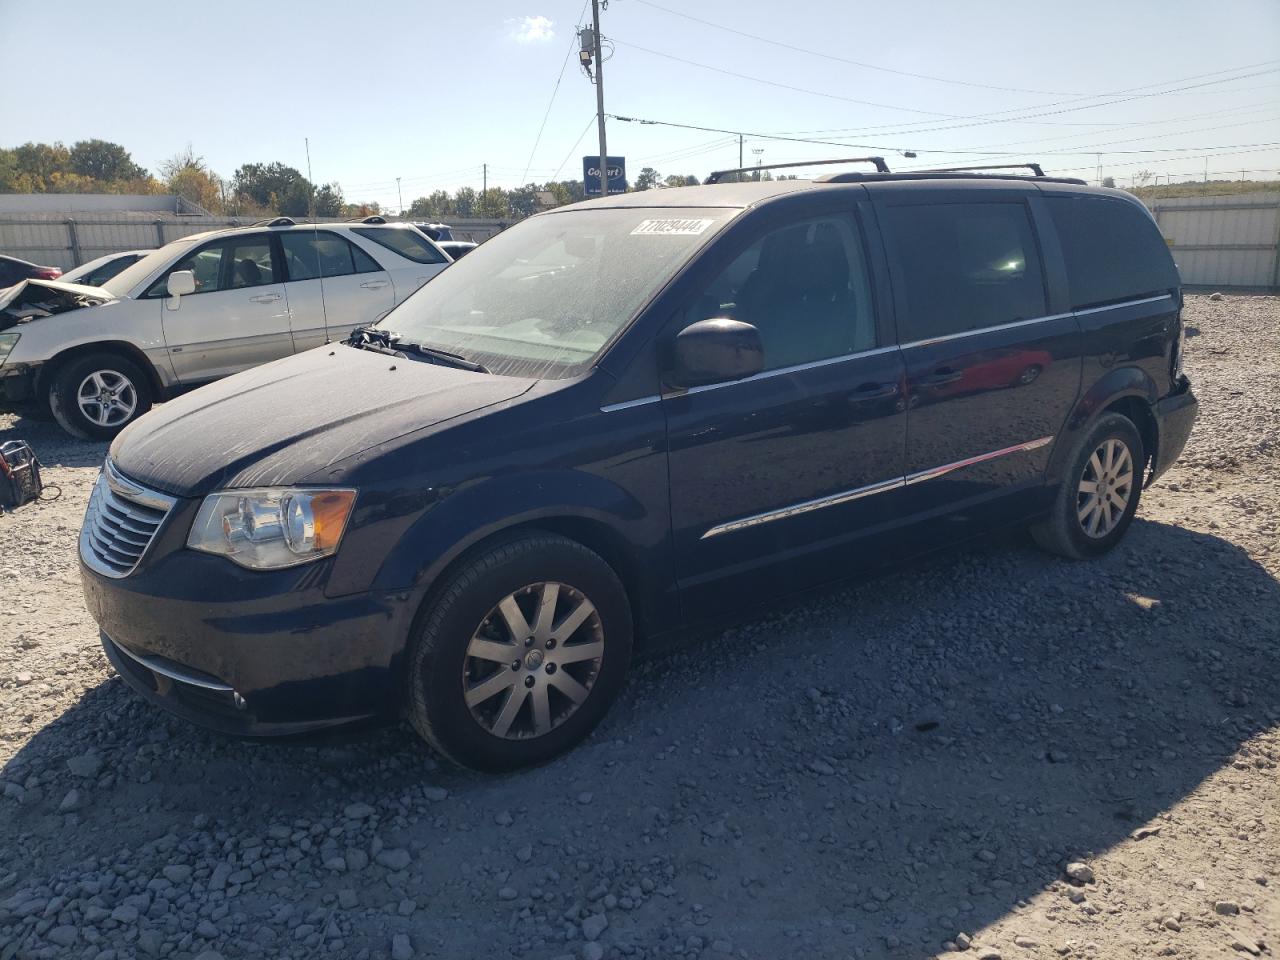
716	351
181	283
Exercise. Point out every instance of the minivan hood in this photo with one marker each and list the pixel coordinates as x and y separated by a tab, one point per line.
36	299
285	421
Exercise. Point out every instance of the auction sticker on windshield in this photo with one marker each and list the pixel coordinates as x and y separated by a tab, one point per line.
671	227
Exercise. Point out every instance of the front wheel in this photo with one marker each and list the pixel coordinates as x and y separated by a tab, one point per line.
1099	493
94	397
520	654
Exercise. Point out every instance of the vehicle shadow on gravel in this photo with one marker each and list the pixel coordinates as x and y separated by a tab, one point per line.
53	445
866	772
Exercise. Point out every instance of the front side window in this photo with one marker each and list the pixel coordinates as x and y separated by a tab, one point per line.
804	287
230	264
311	254
545	297
402	240
963	266
1113	251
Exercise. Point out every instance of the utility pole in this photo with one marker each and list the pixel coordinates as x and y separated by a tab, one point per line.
399	196
739	151
604	151
484	181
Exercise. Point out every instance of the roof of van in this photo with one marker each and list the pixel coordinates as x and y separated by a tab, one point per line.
752	192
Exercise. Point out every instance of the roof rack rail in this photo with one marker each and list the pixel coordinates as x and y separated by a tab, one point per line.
880	165
275	222
370	219
1033	167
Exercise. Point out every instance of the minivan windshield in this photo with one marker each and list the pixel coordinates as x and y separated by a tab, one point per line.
545	297
131	276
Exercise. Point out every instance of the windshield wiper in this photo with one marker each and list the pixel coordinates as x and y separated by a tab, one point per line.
443	357
389	342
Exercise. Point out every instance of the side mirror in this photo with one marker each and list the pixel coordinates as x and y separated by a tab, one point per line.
181	283
716	351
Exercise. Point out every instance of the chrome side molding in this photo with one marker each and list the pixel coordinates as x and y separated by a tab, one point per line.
858	493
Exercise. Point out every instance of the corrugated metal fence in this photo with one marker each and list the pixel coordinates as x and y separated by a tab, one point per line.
67	242
1226	241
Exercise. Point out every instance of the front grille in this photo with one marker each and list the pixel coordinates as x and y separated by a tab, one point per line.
122	520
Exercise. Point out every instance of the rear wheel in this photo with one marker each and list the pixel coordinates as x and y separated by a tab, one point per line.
95	396
1099	493
520	654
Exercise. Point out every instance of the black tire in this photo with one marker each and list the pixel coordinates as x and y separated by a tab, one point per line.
119	372
1064	532
438	653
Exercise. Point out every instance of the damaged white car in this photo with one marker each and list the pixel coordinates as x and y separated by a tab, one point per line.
198	309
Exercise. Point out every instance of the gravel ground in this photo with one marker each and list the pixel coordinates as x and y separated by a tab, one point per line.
993	751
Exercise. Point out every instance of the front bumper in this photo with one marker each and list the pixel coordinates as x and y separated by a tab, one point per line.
17	384
248	652
1175	415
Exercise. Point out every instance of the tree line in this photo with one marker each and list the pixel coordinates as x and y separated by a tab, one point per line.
264	189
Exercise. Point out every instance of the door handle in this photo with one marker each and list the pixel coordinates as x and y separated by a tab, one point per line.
874	391
941	377
265	298
374	284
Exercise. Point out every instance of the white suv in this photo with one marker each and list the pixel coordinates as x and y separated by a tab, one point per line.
198	309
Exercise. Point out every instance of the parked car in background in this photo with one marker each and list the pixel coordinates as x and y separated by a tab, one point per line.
97	272
436	231
198	309
456	249
13	270
624	414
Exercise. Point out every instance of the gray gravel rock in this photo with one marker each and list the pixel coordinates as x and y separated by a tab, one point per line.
401	948
396	859
862	760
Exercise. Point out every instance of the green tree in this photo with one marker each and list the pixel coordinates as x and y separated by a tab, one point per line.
492	203
464	202
566	191
677	180
436	206
187	175
523	201
648	179
274	187
103	160
329	202
38	162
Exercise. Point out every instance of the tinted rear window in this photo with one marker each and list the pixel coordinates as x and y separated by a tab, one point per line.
1113	251
964	266
403	240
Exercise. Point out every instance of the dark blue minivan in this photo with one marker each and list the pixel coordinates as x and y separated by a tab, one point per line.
625	415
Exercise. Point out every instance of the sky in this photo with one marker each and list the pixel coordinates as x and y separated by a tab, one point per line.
429	91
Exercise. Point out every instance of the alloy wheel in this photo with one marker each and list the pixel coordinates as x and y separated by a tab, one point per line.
1105	488
107	398
533	661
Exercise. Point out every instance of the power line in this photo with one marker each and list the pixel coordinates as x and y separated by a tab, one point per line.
903	149
574	148
554	90
1002	116
784	86
854	63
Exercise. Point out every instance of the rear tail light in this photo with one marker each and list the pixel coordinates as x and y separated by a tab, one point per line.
48	273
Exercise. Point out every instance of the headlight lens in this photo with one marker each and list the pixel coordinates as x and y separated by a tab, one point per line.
7	342
272	527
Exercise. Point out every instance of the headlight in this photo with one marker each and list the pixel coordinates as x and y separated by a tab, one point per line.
7	342
272	527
